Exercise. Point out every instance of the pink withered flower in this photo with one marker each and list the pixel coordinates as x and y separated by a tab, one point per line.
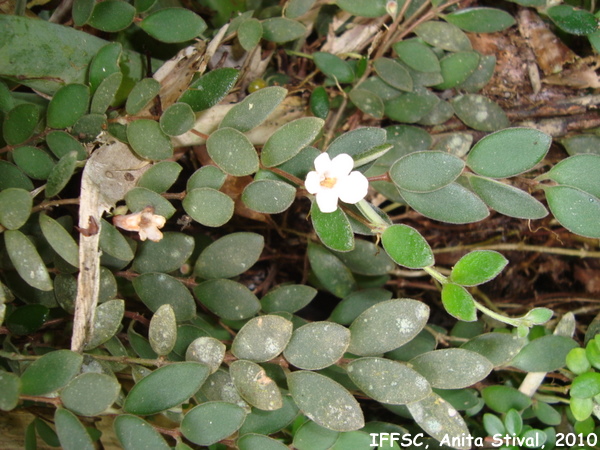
145	222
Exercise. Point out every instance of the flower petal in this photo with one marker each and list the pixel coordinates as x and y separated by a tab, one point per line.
313	182
322	163
327	200
341	166
352	188
151	233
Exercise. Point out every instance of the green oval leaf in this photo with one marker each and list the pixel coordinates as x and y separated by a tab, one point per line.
142	93
173	25
134	433
443	35
27	319
366	259
507	200
50	372
71	433
10	388
577	361
167	255
62	143
508	152
417	55
106	62
160	177
15	207
209	89
481	20
106	92
232	151
386	326
410	107
368	102
208	206
82	11
478	267
586	385
177	119
90	394
452	203
457	67
255	386
269	196
89	126
157	289
317	345
356	303
363	8
112	15
481	113
388	381
36	163
282	29
251	441
289	139
441	168
452	368
162	332
148	140
334	67
165	388
458	302
227	299
325	401
482	75
107	321
26	260
12	177
270	422
582	143
206	177
576	210
230	255
311	436
207	350
499	348
250	33
330	271
113	243
60	174
535	357
440	113
19	123
262	338
504	398
319	102
579	171
68	104
407	247
393	74
254	109
211	422
333	229
288	298
357	142
440	420
573	20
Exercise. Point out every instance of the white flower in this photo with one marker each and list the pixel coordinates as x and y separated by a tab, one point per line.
332	179
145	222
